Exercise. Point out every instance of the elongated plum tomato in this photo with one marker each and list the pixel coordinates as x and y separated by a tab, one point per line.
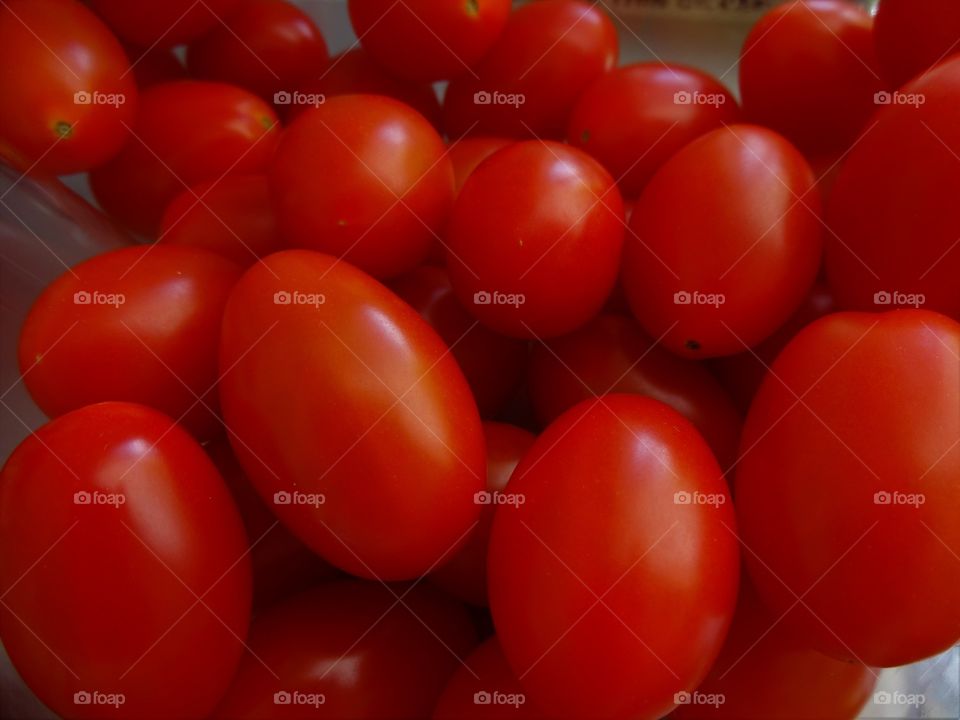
123	567
534	240
614	580
724	243
896	243
350	416
66	87
912	37
139	324
848	473
385	190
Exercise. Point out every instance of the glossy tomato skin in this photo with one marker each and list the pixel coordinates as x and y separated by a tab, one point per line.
426	41
265	46
534	239
858	480
185	133
370	656
546	56
163	23
467	153
334	386
895	242
485	676
912	36
386	189
634	118
232	217
56	55
627	535
724	243
465	576
493	364
766	671
808	70
139	324
612	355
123	567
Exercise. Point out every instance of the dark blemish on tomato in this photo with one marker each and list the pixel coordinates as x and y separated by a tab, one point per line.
585	136
692	345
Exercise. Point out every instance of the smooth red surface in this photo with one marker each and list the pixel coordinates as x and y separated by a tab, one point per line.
163	23
468	152
913	36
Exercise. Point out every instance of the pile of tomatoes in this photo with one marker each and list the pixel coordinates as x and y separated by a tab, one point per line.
585	392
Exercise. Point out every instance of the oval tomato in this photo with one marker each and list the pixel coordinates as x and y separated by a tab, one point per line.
634	118
725	242
163	23
139	324
534	239
913	36
848	473
349	416
66	86
384	193
123	567
613	582
466	153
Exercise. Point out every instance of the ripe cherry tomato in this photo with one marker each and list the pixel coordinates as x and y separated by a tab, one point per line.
163	23
767	672
485	689
725	242
266	46
465	576
349	416
385	190
613	582
527	84
66	87
139	324
808	70
896	243
492	364
635	117
233	217
425	40
122	567
354	72
612	354
914	36
534	239
185	133
849	467
350	651
466	153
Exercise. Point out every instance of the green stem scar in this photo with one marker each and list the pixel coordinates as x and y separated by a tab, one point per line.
473	7
63	129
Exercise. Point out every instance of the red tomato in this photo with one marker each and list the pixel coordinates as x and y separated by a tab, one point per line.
354	72
612	355
385	190
546	56
66	87
155	65
767	672
185	133
122	562
232	217
808	70
139	324
849	467
163	23
484	689
467	153
534	239
425	40
896	243
492	364
269	47
350	651
465	576
914	36
613	581
349	416
725	242
634	118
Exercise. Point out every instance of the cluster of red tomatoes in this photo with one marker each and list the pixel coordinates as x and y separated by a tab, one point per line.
588	392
